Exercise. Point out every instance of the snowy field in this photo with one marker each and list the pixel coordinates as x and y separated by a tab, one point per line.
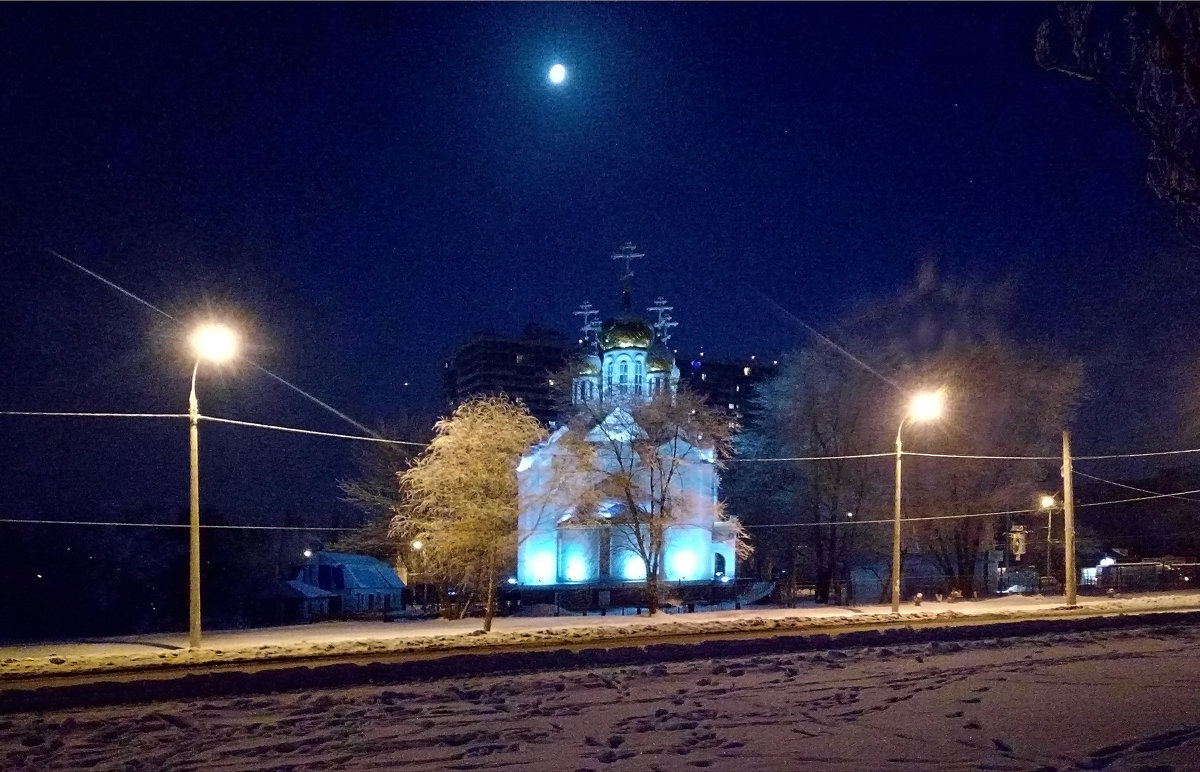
1118	700
380	638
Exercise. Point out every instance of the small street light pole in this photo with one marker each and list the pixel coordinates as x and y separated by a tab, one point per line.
923	408
218	344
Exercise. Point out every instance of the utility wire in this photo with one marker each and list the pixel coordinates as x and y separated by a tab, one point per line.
889	520
251	362
733	459
1137	455
811	458
1139	498
984	458
94	415
848	521
273	427
251	424
1134	488
825	339
854	521
178	525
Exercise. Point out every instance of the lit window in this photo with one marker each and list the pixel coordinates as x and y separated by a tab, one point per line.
520	359
732	406
737	388
551	381
703	376
746	371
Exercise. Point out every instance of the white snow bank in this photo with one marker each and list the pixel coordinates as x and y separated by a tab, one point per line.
351	639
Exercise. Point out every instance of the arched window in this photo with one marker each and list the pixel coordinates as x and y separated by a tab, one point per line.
624	377
719	565
639	376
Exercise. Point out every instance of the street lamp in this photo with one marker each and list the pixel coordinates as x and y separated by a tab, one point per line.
1048	503
924	407
216	343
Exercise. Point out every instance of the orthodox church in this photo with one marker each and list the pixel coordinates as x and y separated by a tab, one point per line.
562	542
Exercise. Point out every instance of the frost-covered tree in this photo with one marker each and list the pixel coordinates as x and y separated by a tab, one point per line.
1145	57
460	496
640	453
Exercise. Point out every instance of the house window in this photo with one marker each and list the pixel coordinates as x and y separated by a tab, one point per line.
746	371
520	359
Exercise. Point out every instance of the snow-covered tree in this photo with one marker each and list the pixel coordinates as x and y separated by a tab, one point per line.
461	496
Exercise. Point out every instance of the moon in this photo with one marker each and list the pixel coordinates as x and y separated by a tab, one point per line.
558	73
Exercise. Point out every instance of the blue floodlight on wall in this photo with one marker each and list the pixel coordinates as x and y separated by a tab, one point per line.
634	568
542	568
576	569
683	565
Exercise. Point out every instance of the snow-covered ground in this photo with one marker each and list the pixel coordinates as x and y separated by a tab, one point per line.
366	638
1118	700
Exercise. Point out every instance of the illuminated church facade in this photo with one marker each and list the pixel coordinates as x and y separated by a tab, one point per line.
624	361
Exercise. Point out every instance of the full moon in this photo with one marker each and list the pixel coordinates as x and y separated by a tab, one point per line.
558	73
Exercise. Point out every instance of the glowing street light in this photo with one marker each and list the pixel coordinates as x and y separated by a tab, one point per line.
1048	503
926	406
216	343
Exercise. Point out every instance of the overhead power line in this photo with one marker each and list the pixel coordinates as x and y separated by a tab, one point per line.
93	415
176	525
1179	496
313	432
251	362
811	458
251	424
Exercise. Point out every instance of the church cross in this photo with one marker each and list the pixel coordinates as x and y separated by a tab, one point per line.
628	253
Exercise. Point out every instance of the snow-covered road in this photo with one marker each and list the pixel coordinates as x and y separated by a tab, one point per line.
1119	700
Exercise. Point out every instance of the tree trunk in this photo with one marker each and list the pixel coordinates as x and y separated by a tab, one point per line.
821	590
489	607
651	593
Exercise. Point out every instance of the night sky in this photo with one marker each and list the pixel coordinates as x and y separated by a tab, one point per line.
359	187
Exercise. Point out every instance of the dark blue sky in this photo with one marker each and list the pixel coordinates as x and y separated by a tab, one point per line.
362	186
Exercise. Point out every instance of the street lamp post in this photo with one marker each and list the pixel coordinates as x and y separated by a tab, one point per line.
215	343
924	407
1048	503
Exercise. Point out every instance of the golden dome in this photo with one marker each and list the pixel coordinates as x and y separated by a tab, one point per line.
625	332
587	364
660	359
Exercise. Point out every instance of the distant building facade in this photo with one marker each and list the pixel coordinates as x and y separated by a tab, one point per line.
521	368
728	386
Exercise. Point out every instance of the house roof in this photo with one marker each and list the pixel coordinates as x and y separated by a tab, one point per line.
361	571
